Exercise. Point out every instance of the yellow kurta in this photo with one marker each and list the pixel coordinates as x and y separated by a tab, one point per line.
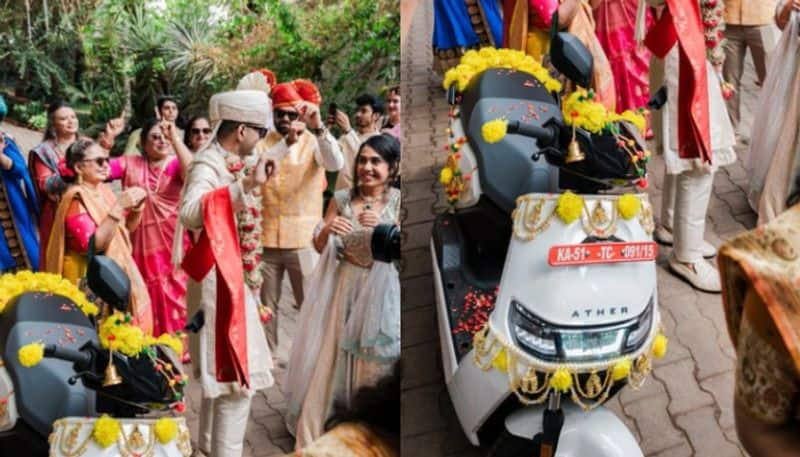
292	200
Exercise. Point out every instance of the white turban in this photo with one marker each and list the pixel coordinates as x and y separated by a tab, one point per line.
246	106
259	80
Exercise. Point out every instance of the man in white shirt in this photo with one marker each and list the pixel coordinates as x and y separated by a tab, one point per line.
368	113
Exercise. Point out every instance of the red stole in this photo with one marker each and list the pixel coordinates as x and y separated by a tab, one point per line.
219	246
681	22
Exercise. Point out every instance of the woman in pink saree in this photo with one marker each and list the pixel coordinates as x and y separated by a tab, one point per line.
630	63
160	174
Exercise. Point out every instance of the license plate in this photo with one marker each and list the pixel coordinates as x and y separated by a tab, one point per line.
589	253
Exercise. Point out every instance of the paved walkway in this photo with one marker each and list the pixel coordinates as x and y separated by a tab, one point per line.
684	409
266	435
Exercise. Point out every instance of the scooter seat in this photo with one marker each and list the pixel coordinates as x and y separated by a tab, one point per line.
506	169
42	392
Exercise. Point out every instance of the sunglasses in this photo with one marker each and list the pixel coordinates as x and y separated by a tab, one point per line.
196	131
262	131
292	115
99	161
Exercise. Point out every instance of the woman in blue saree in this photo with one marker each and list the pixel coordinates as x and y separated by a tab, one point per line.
19	239
458	27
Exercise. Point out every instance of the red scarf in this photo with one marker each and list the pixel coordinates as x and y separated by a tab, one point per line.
681	22
219	246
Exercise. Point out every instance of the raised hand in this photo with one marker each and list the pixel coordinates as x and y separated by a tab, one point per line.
343	121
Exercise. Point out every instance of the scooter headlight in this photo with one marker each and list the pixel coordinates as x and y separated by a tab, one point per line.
532	333
573	344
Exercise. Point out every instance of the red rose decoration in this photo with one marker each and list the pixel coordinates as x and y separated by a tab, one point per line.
233	168
249	227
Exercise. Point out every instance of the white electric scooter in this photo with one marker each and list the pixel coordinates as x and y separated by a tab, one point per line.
575	316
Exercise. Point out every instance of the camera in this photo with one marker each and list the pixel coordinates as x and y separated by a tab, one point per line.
386	243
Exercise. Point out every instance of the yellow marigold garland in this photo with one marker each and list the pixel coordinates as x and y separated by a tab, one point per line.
106	431
569	207
580	109
119	335
561	380
621	370
495	130
165	429
445	176
13	285
660	346
629	206
475	62
31	354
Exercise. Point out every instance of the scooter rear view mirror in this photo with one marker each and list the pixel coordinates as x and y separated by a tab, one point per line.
571	58
109	282
658	99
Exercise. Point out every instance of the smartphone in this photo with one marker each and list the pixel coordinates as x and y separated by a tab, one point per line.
332	108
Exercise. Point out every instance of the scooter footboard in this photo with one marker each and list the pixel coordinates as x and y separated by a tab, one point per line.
599	430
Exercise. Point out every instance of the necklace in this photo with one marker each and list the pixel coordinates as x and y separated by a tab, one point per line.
153	187
369	201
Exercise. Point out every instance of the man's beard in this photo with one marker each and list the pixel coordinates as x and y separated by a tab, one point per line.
283	129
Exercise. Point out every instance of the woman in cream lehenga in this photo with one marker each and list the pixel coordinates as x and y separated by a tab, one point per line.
88	208
773	159
349	329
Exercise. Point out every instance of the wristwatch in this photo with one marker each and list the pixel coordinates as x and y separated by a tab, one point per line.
317	131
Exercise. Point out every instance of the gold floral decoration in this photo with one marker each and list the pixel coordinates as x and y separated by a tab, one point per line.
533	380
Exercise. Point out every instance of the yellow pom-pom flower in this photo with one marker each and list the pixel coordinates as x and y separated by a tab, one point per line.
120	336
500	361
31	354
621	369
166	429
445	176
106	431
569	207
172	342
561	380
660	346
494	131
581	111
629	206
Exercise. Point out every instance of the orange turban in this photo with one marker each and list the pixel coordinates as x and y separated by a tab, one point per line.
308	91
285	95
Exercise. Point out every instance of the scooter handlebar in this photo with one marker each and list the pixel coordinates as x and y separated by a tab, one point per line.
79	358
546	135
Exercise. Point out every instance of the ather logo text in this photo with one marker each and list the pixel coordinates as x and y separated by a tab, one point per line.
600	312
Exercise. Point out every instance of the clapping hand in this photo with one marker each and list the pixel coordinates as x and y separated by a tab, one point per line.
131	198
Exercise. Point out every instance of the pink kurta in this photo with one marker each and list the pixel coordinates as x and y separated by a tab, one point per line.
152	240
630	64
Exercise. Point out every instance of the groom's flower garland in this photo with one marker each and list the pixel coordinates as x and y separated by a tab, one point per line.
248	226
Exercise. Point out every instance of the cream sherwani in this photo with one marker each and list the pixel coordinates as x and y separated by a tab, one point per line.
225	406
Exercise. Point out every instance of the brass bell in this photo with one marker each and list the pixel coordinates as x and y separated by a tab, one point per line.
112	377
574	153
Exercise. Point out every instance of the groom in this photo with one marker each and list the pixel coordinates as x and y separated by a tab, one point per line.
233	358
